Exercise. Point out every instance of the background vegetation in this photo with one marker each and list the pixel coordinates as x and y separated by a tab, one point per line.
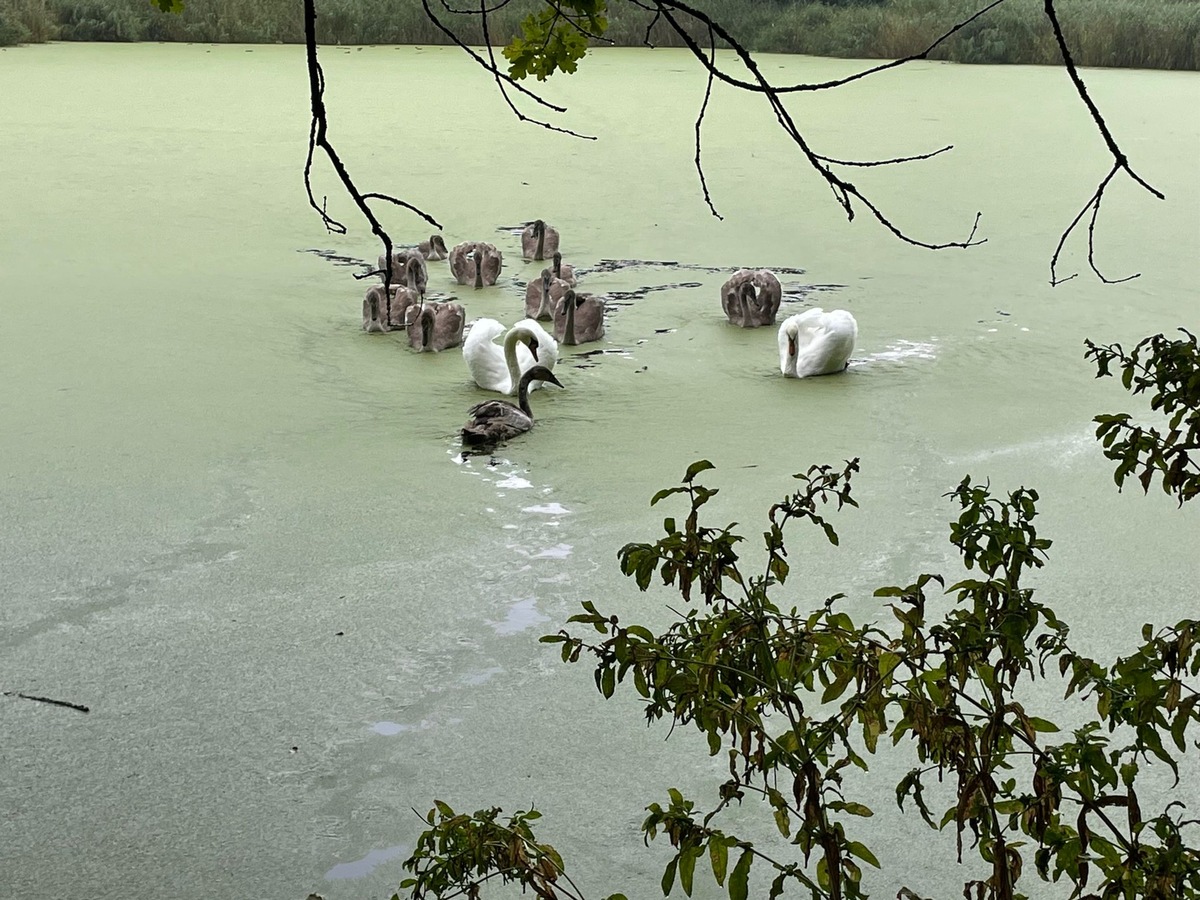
1160	34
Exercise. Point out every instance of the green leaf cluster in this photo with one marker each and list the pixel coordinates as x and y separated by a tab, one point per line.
1169	371
555	38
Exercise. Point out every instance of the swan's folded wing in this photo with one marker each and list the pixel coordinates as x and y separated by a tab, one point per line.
484	358
491	267
448	325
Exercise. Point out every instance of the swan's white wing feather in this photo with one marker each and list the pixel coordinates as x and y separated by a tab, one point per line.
830	341
485	358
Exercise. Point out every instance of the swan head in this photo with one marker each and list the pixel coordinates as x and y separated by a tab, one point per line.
791	331
529	339
540	373
437	243
545	308
538	227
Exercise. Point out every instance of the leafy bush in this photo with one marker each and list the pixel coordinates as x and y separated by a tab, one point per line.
796	699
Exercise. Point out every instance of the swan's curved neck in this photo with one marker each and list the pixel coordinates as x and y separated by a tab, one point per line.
747	313
791	354
558	265
523	397
412	275
540	230
544	309
569	333
510	356
479	270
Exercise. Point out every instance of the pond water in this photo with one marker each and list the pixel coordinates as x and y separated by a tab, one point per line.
238	529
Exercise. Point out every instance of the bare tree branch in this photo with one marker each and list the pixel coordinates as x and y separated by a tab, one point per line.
1120	163
845	192
318	137
678	14
507	79
712	50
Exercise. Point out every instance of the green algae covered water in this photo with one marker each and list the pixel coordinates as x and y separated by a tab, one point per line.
238	528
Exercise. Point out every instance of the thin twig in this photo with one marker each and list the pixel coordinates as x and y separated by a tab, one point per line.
883	162
495	70
1120	162
712	46
79	707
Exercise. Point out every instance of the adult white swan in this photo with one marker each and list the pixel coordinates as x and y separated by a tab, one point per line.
816	342
525	345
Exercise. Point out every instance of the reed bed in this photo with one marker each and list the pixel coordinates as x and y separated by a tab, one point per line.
1158	34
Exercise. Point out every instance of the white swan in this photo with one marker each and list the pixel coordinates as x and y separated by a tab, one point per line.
525	345
816	342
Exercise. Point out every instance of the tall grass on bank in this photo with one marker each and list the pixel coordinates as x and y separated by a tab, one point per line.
1159	34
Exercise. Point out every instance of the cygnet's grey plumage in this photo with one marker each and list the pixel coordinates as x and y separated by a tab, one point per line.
539	240
579	318
563	271
381	316
741	305
468	269
399	266
498	420
762	303
433	327
434	248
542	294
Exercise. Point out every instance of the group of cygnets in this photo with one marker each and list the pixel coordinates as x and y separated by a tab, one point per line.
814	342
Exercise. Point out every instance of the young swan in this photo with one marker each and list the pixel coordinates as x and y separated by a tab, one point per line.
375	310
542	295
498	420
564	271
433	327
399	267
768	294
539	240
380	315
579	318
816	342
434	248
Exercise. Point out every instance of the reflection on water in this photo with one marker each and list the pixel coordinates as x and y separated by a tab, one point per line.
522	615
365	866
